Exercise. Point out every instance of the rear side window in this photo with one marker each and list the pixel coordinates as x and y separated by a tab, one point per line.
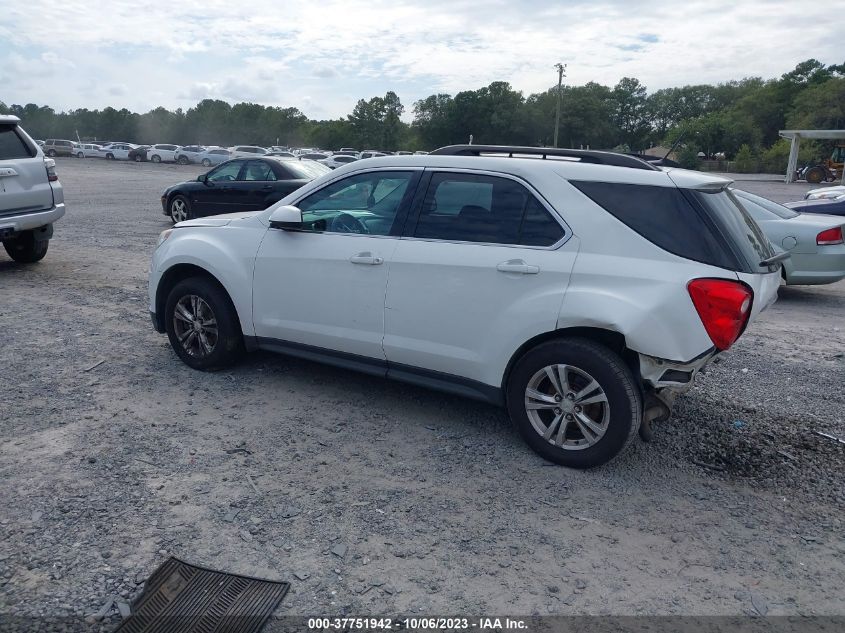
664	216
12	145
487	209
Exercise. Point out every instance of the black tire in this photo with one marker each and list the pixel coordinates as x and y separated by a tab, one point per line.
25	249
206	162
51	153
109	156
80	155
156	158
138	158
173	208
229	344
622	416
183	160
815	175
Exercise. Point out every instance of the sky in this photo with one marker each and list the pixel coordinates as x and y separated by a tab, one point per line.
321	56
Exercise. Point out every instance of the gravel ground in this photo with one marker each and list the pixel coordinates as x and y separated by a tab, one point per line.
374	497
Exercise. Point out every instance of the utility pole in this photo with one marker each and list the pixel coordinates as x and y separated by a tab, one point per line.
560	69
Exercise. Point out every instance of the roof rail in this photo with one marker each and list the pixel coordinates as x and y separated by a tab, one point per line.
584	156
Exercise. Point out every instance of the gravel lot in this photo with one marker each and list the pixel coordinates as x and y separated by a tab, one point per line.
374	497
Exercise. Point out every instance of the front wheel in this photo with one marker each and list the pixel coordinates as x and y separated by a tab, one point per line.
25	249
156	158
180	209
80	155
815	175
202	324
138	158
206	162
109	156
51	153
183	160
575	402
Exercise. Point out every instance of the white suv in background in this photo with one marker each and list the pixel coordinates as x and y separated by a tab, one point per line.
246	151
162	153
31	197
581	290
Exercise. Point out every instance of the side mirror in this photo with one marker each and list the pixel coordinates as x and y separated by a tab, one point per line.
286	217
202	178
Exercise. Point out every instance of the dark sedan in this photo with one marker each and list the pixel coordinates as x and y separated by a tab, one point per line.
138	154
828	206
242	184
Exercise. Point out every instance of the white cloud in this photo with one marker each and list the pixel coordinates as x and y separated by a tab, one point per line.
173	54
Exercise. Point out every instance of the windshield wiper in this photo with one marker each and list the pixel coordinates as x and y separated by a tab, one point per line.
774	259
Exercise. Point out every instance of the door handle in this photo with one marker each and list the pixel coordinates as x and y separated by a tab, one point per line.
517	266
267	188
366	258
6	172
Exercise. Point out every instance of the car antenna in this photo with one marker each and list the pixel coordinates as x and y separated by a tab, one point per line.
674	145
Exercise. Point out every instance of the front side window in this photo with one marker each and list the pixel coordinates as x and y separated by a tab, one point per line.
258	170
364	203
227	172
488	209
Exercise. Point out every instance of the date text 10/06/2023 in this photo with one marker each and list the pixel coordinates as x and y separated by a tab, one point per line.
417	624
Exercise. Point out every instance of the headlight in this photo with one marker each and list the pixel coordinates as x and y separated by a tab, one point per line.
163	237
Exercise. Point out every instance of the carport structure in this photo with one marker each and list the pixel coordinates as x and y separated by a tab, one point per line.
795	137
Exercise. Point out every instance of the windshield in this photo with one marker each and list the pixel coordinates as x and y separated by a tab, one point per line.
762	208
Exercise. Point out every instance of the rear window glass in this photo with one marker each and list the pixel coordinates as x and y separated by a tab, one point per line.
763	208
12	145
305	170
664	216
748	239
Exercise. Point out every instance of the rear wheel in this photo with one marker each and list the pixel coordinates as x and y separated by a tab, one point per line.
575	402
80	155
206	162
815	175
51	153
109	156
202	324
25	249
183	160
138	158
180	209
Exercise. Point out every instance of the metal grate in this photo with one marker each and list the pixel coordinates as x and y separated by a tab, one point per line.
183	598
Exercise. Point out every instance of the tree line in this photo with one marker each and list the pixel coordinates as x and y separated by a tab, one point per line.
738	118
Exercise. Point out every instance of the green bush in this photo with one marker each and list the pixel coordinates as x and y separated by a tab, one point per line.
776	157
746	161
688	157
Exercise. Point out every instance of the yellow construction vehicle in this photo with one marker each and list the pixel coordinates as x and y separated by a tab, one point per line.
828	170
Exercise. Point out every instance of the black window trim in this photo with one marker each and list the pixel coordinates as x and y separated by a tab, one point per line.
422	190
405	206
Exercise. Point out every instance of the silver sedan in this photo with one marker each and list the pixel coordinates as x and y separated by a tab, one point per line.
814	241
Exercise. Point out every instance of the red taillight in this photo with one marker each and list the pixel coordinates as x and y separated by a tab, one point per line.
50	166
723	306
830	237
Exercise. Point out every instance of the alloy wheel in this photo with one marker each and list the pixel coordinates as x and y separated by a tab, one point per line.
567	407
195	326
179	210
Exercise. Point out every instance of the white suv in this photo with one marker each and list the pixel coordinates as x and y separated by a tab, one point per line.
582	290
31	197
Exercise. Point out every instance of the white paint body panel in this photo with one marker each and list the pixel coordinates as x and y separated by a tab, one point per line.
444	306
